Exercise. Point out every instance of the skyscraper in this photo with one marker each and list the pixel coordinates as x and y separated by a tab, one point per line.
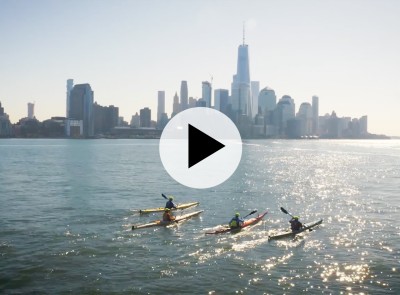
161	105
266	100
70	85
221	100
241	89
145	117
31	110
176	108
315	115
184	96
81	107
255	90
206	93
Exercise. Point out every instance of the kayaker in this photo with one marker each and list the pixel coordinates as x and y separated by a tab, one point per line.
170	204
236	221
295	224
167	216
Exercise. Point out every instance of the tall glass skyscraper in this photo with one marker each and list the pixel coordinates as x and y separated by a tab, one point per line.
184	96
70	85
206	93
81	107
161	105
315	114
241	88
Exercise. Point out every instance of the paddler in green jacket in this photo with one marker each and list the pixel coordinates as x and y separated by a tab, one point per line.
236	221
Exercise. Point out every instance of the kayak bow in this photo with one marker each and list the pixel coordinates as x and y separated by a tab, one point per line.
165	223
246	223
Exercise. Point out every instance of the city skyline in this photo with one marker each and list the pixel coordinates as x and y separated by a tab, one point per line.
345	55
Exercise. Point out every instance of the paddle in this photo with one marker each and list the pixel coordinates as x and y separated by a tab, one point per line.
286	212
164	196
252	212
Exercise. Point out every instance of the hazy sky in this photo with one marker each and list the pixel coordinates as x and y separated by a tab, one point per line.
346	52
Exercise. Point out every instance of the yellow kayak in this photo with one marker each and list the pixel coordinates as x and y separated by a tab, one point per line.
160	209
165	223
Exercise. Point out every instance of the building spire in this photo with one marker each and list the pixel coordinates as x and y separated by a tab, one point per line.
244	32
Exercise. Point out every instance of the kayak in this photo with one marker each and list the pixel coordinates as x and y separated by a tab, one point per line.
294	233
160	209
165	223
246	223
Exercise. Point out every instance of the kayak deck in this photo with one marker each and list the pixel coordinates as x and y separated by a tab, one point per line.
160	209
294	233
246	223
166	223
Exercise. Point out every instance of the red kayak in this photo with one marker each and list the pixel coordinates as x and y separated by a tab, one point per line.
246	223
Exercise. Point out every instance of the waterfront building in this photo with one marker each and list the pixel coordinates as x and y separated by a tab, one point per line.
31	110
305	115
192	102
206	90
364	125
266	100
135	121
5	124
201	103
221	100
162	122
105	118
161	104
315	115
255	91
334	126
176	108
184	96
70	85
284	111
145	117
81	108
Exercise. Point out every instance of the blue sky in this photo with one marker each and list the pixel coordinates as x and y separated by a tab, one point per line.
346	52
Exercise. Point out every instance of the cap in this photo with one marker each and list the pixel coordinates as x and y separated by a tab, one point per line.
237	214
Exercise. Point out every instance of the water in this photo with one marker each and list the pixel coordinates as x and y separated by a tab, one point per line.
67	206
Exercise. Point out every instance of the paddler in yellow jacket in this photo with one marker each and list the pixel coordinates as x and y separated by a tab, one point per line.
167	216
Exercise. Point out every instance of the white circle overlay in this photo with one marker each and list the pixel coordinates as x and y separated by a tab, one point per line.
211	171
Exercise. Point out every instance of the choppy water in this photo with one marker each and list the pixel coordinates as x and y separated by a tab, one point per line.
66	207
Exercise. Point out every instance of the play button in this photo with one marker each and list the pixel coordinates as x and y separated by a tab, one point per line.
200	147
197	139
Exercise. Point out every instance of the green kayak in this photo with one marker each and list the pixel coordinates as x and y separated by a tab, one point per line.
294	233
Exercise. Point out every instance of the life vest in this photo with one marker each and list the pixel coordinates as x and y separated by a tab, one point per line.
234	223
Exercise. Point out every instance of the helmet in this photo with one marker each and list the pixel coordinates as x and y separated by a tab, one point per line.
296	217
170	198
237	214
167	209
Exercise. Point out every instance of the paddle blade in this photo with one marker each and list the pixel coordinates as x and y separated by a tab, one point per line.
252	212
164	196
284	210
